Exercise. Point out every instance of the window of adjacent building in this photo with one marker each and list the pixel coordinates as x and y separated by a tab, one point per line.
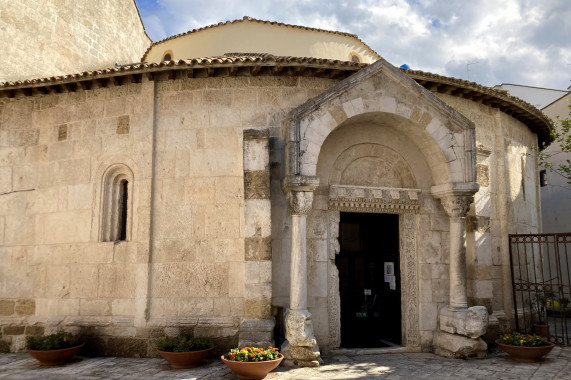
117	193
543	178
167	56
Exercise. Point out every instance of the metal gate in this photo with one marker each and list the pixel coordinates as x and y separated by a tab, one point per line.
541	273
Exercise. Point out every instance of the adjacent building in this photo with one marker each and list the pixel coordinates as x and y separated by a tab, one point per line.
555	191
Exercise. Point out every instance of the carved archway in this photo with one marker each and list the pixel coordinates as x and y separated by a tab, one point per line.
382	96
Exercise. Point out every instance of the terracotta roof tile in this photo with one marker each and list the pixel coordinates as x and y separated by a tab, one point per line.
527	113
227	60
536	120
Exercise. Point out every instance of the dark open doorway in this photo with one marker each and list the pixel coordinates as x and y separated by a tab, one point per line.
369	280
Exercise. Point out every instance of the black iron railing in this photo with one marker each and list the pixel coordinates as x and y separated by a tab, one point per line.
541	273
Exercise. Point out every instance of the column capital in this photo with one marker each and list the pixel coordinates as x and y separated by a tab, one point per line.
456	206
299	192
299	202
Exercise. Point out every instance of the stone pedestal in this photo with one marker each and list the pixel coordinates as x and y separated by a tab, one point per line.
471	322
300	348
458	346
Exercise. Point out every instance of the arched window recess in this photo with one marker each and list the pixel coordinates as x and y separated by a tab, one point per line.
116	204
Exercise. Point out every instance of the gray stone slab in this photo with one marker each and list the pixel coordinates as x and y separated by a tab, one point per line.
556	365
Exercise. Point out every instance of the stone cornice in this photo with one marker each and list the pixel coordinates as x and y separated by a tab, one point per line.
300	183
455	189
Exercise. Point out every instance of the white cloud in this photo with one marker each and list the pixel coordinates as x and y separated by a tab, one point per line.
516	41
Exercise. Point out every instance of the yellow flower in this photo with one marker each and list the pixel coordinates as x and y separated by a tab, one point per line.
521	341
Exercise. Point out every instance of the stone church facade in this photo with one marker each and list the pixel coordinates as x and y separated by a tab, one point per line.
263	198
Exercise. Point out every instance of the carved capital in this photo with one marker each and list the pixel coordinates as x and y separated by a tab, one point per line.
299	192
299	202
457	206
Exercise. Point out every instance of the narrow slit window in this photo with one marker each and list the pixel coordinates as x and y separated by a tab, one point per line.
124	196
116	204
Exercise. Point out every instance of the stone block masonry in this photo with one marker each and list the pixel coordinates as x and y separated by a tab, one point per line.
257	327
46	38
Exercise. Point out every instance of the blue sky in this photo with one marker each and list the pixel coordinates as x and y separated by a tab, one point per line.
505	41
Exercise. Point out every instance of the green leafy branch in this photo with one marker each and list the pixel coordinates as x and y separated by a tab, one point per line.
561	134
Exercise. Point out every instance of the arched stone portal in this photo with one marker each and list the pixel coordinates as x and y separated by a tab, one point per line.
362	169
444	145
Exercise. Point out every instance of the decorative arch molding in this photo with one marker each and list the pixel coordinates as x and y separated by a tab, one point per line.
446	138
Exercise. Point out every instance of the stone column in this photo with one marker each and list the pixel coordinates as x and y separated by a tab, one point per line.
460	327
300	348
457	208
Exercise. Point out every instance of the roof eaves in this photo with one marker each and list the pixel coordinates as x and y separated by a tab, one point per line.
237	59
536	120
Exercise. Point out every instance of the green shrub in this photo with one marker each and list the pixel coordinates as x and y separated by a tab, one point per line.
51	342
184	343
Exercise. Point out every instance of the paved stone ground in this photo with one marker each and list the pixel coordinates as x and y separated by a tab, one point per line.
557	365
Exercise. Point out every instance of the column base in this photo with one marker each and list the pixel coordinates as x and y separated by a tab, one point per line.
299	356
458	347
471	322
300	348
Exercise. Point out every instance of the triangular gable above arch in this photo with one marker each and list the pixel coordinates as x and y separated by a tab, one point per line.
445	137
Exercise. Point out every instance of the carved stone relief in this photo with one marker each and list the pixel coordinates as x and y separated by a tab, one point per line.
456	206
373	199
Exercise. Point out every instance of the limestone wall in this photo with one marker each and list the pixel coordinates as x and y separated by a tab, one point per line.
184	265
54	152
48	37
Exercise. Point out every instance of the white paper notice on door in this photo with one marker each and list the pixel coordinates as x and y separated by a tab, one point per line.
389	270
391	279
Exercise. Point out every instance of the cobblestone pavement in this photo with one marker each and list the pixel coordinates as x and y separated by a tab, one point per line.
557	365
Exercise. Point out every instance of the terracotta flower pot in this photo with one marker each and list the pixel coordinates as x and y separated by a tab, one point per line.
185	359
252	370
525	354
55	357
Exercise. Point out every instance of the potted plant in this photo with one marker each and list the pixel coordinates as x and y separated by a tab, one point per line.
539	301
53	349
524	347
184	351
252	362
